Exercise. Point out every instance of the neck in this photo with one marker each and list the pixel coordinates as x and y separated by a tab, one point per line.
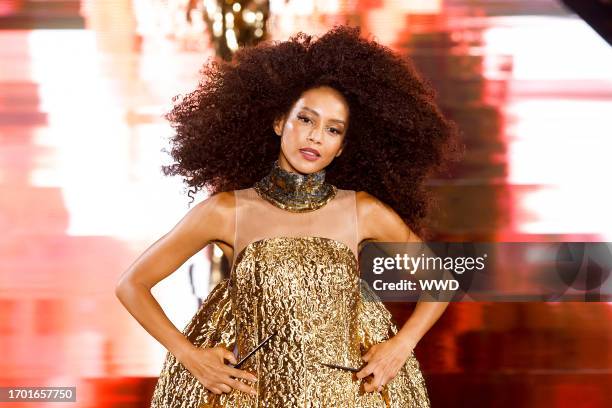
286	166
295	191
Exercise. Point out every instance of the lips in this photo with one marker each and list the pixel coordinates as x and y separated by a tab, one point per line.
309	150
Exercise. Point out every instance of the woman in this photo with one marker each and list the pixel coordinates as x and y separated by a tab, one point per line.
309	149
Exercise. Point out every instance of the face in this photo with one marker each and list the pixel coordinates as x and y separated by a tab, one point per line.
313	131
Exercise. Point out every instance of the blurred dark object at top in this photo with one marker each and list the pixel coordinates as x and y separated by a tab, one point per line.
596	13
233	24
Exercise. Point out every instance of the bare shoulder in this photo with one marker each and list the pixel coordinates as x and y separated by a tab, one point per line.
214	216
368	206
216	205
378	221
224	201
225	209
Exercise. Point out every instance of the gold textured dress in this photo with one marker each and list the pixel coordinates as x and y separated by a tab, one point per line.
295	272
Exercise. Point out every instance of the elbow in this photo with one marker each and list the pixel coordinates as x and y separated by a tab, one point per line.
125	286
120	289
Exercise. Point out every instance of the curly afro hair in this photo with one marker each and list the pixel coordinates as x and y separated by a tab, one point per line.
397	136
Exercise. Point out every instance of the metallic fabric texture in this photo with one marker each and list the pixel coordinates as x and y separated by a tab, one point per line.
308	289
295	192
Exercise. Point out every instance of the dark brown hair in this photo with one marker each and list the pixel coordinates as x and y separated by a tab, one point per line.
397	136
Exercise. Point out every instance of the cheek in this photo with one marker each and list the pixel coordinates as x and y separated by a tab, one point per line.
292	134
289	127
290	138
335	143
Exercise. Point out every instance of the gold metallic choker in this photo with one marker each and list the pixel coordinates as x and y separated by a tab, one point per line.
295	192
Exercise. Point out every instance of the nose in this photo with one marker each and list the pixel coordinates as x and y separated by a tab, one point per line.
314	136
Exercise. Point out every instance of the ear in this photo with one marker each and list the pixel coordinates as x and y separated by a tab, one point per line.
341	149
278	125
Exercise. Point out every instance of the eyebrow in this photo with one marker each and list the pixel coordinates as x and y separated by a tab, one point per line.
316	113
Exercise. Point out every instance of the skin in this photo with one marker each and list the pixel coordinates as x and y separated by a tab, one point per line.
319	119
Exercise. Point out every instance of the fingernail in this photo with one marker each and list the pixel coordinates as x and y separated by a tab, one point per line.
254	378
253	392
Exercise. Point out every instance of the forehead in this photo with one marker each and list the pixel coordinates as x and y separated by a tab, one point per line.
326	101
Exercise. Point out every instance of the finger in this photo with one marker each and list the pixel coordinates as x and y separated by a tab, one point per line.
215	390
239	385
225	387
385	381
209	385
235	372
365	371
229	356
376	386
374	382
381	383
369	386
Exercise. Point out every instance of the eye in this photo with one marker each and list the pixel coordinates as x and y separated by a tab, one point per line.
336	131
304	119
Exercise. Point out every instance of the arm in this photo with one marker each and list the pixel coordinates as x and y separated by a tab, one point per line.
379	222
208	221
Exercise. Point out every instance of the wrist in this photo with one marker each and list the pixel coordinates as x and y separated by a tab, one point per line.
407	340
181	350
